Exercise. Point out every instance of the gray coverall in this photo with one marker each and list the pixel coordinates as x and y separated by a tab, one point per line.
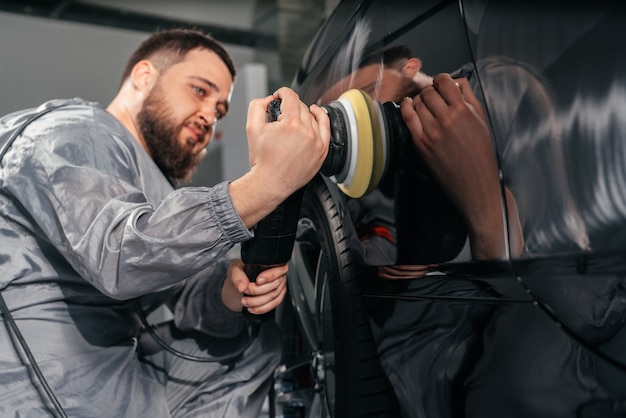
88	224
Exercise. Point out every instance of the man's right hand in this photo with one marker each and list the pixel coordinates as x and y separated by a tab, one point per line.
284	155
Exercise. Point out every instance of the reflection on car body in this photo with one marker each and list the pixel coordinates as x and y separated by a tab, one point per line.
539	327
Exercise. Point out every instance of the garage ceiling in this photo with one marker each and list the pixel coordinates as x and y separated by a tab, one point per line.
278	30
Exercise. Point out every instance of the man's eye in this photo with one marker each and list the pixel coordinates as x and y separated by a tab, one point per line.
220	113
199	90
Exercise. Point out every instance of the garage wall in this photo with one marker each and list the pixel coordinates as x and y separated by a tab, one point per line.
42	59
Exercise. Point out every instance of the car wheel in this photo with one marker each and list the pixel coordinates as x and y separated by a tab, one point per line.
331	366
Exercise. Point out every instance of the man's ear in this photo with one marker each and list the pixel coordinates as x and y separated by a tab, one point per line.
412	67
144	75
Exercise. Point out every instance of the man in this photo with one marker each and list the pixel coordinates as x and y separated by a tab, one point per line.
91	223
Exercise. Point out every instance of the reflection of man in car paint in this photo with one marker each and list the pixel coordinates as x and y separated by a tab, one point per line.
387	76
437	356
449	130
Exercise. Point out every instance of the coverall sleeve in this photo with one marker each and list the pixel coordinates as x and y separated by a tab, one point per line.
90	191
200	307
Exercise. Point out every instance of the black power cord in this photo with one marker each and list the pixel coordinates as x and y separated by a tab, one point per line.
151	330
6	313
12	326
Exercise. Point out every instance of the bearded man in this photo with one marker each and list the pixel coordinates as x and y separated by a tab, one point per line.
95	233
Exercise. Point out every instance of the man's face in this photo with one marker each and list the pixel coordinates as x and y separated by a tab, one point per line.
178	117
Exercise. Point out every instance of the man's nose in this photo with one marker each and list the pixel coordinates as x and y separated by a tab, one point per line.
208	122
208	114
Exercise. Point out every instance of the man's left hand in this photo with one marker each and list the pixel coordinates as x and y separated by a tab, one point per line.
258	297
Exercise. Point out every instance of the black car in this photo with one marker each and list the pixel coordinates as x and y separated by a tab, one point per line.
534	327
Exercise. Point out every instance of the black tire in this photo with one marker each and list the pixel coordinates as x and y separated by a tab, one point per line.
331	366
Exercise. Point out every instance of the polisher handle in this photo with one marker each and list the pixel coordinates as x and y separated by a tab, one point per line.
273	110
274	235
272	244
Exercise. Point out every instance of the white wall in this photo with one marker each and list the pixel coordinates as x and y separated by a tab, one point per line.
42	59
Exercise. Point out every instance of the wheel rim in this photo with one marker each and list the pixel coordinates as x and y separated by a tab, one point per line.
326	333
308	283
306	387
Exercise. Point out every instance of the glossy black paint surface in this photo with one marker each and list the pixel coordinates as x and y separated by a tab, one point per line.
541	333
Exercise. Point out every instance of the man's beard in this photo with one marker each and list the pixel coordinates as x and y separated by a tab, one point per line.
160	134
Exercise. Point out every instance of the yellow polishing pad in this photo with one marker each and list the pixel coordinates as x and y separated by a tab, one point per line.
359	183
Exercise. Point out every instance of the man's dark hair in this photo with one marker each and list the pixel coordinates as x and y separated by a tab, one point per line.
168	47
393	57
